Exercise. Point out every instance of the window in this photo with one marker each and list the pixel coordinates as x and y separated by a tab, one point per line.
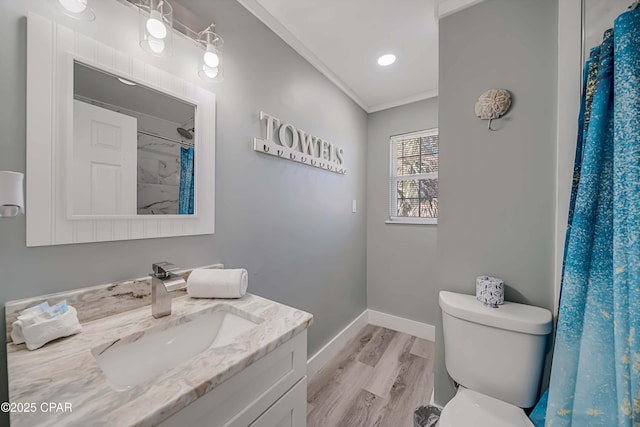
413	178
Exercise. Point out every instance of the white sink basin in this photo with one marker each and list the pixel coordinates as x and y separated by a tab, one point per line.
136	358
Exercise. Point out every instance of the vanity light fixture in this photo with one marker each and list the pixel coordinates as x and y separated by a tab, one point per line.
156	24
11	194
159	20
76	9
212	60
387	59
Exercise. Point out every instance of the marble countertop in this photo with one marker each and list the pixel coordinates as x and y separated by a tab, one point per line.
65	373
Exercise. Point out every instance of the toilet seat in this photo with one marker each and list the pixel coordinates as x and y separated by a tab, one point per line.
472	409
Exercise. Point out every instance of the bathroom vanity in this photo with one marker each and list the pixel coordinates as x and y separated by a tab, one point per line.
212	362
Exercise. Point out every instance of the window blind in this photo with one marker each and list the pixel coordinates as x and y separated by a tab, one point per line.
413	177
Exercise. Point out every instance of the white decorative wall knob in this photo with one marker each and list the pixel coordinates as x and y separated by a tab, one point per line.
493	104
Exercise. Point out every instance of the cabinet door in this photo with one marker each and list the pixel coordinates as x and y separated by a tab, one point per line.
289	411
241	399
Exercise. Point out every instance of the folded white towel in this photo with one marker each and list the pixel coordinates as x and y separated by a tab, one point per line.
217	283
35	335
16	332
31	315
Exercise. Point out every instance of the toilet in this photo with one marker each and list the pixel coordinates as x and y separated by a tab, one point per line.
496	356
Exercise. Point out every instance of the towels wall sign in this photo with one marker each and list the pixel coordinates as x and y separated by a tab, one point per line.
285	141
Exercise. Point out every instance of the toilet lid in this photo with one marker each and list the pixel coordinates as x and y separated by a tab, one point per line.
472	409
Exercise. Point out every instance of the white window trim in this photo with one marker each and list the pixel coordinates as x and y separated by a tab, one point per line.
393	180
414	221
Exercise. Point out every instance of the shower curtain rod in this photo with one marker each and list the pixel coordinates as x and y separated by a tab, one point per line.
115	108
165	138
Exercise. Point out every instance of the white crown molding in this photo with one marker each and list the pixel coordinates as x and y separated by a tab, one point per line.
276	26
449	7
270	21
408	100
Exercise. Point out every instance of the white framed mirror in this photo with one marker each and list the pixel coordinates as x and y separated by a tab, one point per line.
116	148
125	132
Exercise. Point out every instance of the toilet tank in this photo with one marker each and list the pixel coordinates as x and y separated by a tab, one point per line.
495	351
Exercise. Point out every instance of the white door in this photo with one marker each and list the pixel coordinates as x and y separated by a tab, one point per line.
105	157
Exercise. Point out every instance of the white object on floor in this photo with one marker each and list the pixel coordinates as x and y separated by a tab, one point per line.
217	283
472	409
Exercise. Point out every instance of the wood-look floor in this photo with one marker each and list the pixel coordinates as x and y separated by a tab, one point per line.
378	379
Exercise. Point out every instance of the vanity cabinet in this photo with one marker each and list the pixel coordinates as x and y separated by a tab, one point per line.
270	392
288	411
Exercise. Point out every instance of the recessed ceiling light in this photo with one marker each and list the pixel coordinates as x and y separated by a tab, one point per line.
387	59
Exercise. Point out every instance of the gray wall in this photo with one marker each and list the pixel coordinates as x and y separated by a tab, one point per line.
401	258
290	225
497	188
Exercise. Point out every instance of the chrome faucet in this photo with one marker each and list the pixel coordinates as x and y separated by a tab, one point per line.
164	281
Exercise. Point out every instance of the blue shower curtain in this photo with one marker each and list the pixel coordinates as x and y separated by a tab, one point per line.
595	377
185	197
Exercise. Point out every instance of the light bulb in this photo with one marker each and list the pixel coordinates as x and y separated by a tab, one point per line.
156	46
210	72
211	59
385	60
74	6
155	26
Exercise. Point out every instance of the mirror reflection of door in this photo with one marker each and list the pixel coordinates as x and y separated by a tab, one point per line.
151	172
104	161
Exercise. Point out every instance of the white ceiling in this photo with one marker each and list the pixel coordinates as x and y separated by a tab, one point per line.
344	38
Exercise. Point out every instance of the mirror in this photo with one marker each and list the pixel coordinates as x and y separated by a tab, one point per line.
107	160
133	147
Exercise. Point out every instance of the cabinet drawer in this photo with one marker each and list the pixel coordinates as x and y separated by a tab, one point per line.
289	411
243	397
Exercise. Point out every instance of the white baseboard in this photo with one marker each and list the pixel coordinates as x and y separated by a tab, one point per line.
337	343
400	324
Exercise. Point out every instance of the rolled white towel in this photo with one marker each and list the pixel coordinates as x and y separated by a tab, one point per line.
217	283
